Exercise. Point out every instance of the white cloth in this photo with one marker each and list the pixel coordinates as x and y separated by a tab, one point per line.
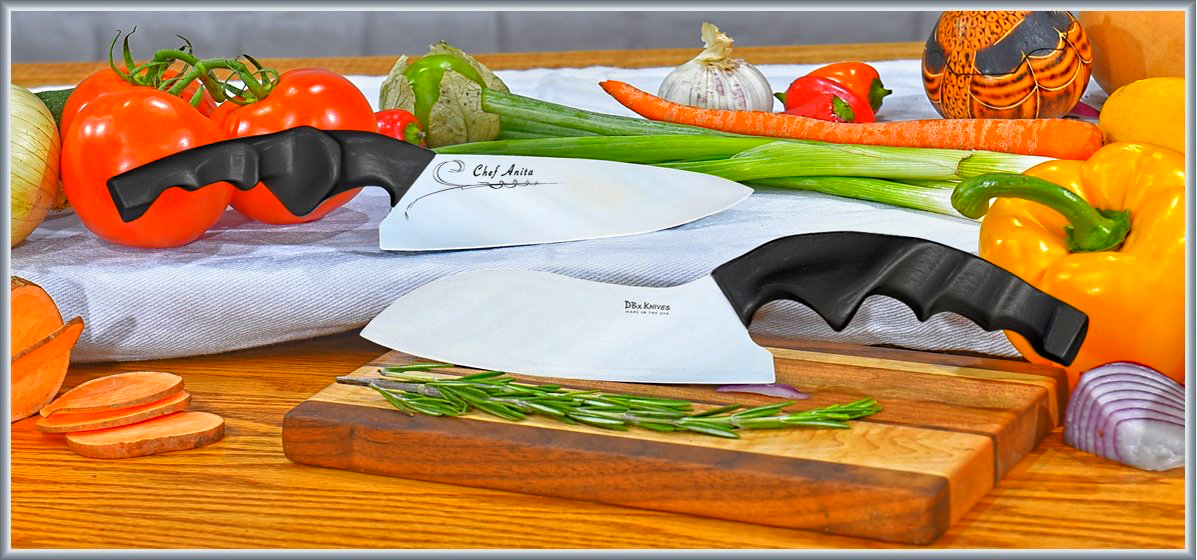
247	284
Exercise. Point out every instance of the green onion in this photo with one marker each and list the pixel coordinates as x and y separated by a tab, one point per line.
629	149
746	158
516	124
529	109
915	178
901	194
521	135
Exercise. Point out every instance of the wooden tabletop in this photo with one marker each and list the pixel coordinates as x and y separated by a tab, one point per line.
243	493
59	73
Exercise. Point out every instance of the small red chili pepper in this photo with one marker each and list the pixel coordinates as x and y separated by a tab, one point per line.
401	125
825	99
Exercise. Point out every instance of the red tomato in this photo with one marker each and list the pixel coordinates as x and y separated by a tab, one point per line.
104	81
305	96
123	129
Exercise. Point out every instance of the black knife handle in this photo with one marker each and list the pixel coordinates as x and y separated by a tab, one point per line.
834	272
302	166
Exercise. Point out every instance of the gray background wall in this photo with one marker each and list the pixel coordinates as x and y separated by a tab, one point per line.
60	36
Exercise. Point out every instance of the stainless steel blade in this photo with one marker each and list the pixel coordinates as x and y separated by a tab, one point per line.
474	202
545	324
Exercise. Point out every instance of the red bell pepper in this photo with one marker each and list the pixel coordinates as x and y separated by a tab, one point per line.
822	98
401	125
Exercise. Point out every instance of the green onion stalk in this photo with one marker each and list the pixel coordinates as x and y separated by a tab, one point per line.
919	178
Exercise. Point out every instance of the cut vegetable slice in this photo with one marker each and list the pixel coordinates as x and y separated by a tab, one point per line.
38	371
173	432
34	313
87	421
122	390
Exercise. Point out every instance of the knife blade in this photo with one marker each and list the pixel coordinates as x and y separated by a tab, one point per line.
538	323
440	202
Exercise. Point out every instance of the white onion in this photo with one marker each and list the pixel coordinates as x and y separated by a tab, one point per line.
715	80
34	145
1128	413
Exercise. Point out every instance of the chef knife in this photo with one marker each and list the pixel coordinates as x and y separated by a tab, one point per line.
545	324
440	202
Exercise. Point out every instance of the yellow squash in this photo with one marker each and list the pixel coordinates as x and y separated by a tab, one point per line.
1106	236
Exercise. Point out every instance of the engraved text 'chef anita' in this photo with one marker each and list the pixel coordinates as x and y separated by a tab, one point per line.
498	177
496	171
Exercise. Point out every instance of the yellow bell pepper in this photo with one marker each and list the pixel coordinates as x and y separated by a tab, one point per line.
1122	264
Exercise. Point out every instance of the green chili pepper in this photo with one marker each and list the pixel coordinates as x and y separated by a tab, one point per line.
425	77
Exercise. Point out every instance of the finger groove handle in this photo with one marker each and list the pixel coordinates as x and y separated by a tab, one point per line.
833	273
301	166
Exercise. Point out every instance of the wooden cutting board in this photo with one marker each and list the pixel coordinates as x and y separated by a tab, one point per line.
950	428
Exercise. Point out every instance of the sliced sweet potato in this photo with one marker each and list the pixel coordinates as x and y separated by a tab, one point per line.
86	421
38	370
122	390
34	314
173	432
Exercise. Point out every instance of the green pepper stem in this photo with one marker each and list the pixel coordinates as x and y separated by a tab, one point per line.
1090	229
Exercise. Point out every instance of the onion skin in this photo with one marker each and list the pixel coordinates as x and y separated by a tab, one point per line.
1128	413
779	390
35	148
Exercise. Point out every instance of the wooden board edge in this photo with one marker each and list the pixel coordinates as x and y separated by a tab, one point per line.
616	472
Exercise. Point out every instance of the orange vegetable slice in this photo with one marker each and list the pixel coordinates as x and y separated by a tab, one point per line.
87	421
173	432
38	371
122	390
34	313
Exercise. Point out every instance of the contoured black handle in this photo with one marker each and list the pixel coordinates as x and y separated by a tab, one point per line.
302	166
834	272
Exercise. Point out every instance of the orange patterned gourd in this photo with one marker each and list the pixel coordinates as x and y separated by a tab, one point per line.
1006	64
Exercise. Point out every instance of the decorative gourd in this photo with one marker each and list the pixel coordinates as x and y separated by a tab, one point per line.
1006	64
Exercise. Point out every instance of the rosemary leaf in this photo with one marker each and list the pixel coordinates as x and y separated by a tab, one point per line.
416	367
481	375
717	411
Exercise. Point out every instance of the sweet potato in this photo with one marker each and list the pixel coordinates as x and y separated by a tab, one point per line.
41	347
87	421
122	390
173	432
34	314
38	371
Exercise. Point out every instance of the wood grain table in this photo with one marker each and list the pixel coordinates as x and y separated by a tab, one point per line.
243	493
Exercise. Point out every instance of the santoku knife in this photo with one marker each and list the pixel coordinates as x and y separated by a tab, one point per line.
544	324
440	202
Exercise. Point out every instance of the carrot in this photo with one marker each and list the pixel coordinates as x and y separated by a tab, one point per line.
39	370
173	432
1056	138
41	347
86	421
122	390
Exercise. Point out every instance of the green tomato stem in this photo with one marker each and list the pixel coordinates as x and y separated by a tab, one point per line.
1090	229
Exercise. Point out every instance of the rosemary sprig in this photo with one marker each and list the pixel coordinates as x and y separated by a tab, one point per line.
499	394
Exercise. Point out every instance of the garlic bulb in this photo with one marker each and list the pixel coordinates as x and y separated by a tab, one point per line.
715	80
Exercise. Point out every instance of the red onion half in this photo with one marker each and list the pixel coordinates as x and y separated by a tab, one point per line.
780	390
1128	413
